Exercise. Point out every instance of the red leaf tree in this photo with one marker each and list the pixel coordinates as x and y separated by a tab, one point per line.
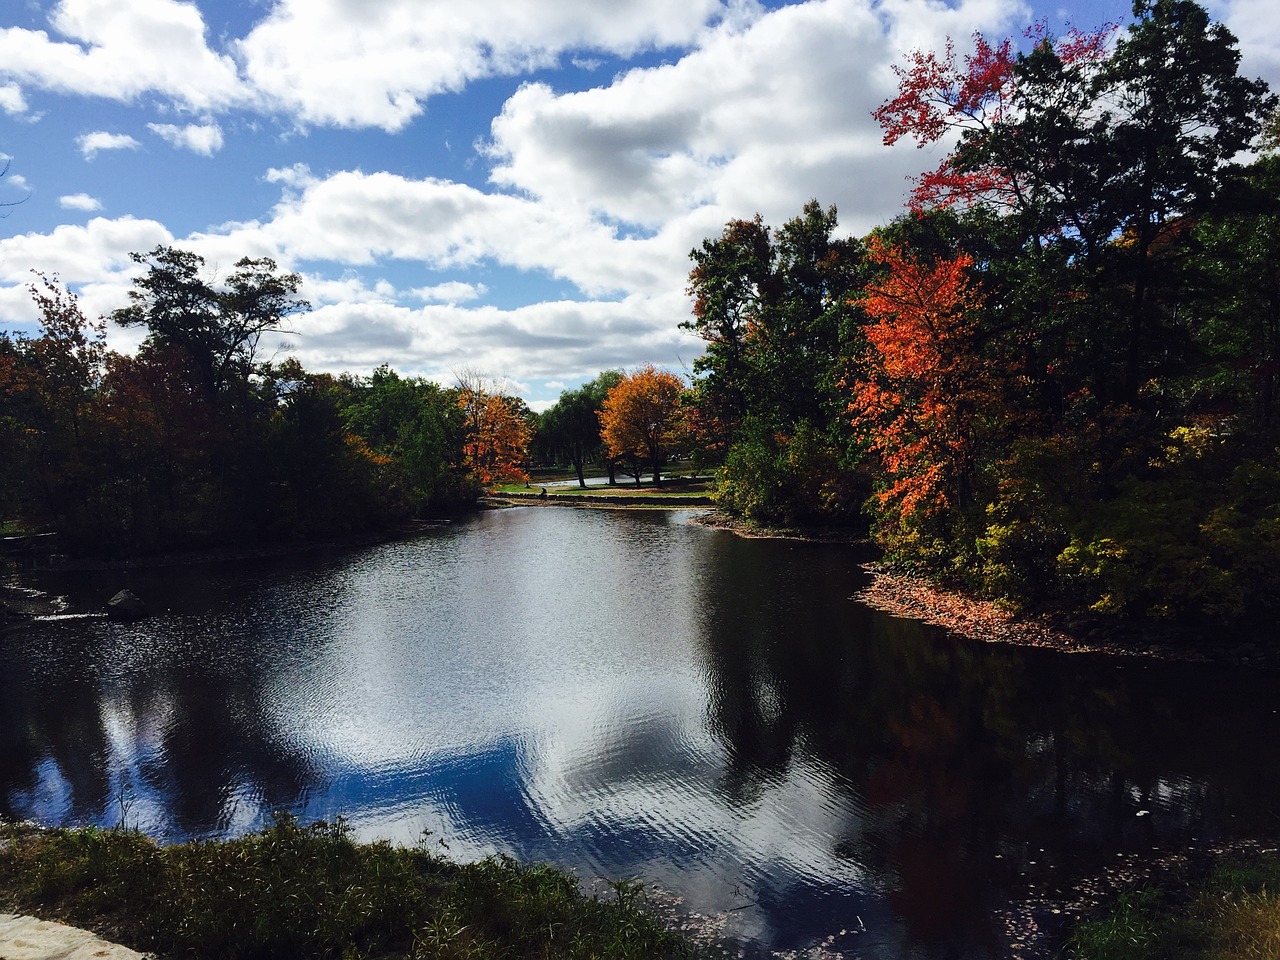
921	388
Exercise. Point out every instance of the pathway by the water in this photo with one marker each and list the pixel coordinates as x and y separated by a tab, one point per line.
26	938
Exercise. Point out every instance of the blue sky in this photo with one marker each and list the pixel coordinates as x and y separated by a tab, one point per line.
504	187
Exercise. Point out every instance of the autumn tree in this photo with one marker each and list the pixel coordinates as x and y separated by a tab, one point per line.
921	390
497	431
1100	155
50	382
640	416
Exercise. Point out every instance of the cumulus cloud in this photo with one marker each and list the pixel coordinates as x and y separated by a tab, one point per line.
91	144
724	128
337	62
11	100
121	51
79	201
202	138
455	291
1257	24
96	252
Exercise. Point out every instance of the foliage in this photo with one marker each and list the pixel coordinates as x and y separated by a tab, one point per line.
216	327
292	891
640	417
496	432
1234	914
191	442
415	429
775	311
1060	367
571	428
921	392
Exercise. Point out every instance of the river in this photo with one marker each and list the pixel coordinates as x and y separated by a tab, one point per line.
628	695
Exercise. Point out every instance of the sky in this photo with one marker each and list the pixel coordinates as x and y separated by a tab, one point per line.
508	188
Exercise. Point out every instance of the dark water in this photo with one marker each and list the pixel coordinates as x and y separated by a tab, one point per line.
627	695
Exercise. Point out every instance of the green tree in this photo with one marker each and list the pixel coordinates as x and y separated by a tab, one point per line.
571	427
216	326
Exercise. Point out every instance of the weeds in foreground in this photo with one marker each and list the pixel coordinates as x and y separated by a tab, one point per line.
294	891
1234	916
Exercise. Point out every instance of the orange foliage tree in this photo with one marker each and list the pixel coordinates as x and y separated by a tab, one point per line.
497	434
921	389
641	416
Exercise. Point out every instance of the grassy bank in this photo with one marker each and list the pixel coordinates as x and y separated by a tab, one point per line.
1232	915
291	891
676	491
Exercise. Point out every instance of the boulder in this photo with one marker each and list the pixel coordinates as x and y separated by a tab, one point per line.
125	605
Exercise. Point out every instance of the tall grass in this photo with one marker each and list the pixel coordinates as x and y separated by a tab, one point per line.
1234	915
294	891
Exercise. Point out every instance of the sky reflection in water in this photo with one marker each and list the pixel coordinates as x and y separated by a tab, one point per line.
630	696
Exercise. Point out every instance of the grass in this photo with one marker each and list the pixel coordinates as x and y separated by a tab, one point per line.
1235	915
294	891
673	488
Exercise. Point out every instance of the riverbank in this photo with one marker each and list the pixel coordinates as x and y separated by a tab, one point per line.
291	891
908	595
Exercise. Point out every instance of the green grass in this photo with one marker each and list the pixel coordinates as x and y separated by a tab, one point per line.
1234	915
293	891
674	488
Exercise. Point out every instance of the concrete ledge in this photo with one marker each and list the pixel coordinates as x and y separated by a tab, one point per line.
26	938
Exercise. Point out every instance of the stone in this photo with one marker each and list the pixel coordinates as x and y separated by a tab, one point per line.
126	605
26	938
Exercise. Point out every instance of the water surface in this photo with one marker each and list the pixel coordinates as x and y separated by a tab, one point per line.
627	695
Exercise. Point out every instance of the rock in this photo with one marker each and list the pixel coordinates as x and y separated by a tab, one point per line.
125	605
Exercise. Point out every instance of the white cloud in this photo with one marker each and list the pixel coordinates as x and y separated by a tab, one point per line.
202	138
91	144
96	252
454	291
1257	25
79	201
11	100
357	64
121	51
724	131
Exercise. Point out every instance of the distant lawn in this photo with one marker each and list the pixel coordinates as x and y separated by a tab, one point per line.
674	488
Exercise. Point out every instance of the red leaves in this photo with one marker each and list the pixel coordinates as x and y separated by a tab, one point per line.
921	384
935	95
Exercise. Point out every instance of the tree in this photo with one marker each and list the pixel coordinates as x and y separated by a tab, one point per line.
497	431
921	389
640	416
571	428
1106	154
418	427
216	327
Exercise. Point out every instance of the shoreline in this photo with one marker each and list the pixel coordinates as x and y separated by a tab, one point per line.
914	597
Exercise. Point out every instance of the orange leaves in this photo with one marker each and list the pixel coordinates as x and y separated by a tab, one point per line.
641	416
498	436
921	386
